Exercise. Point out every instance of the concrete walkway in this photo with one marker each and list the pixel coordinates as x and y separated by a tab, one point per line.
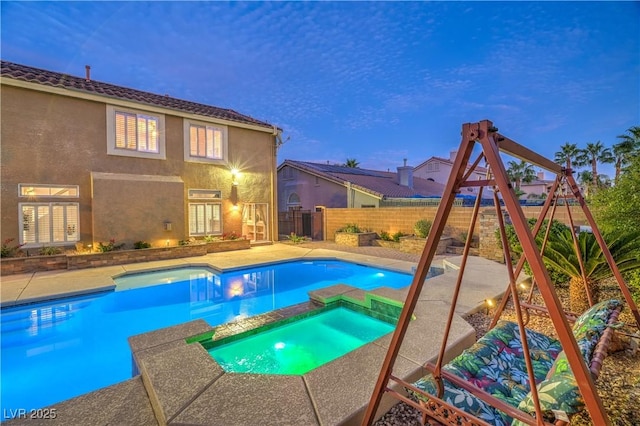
181	384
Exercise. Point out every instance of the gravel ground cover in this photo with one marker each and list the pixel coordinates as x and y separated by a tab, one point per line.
618	384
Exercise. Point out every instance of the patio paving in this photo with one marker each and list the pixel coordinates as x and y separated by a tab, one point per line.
181	384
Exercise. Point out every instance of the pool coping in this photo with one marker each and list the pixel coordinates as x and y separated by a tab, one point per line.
185	383
335	395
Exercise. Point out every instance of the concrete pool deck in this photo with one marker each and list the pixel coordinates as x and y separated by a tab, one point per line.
181	384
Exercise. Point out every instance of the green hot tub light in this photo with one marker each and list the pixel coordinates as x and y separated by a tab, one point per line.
300	346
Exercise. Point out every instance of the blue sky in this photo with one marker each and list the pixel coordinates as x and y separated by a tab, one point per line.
374	81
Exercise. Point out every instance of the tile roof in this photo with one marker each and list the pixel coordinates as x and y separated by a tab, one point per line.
378	183
65	81
478	169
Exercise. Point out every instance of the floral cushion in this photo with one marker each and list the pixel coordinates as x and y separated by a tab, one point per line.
589	326
559	391
496	364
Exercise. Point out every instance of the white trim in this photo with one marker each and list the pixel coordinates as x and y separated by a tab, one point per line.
186	126
111	135
76	228
128	104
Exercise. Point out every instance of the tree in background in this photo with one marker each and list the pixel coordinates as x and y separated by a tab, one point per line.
626	149
519	173
567	154
593	154
618	208
351	162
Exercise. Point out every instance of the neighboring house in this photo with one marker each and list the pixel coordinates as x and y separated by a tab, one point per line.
84	162
307	186
537	189
438	169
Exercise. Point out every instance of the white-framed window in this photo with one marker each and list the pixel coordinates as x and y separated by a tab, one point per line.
133	133
205	219
49	223
205	142
29	190
205	194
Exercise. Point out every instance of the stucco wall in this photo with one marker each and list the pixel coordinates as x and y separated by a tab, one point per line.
324	193
54	139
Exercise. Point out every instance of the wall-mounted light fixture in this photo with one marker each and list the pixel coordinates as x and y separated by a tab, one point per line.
235	174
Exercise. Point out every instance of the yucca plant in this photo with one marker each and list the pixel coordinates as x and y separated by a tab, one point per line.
560	256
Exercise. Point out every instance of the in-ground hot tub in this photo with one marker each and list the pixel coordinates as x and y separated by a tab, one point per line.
299	346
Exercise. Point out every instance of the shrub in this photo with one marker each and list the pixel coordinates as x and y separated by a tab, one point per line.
633	281
384	235
557	228
10	250
49	251
110	246
350	228
397	235
141	245
230	236
296	239
422	228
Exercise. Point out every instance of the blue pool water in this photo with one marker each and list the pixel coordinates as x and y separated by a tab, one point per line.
60	349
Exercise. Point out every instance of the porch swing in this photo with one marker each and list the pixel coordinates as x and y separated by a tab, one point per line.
466	391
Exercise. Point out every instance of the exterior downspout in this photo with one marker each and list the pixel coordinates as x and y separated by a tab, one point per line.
277	141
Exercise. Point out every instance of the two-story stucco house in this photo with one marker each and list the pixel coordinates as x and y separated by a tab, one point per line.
84	162
307	185
438	169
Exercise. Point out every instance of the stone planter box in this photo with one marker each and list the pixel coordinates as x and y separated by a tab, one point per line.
228	245
416	245
386	244
355	240
21	265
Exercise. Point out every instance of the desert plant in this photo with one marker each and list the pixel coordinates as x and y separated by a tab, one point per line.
49	251
9	250
384	235
422	228
211	238
141	245
397	235
230	236
561	256
110	246
350	228
296	239
557	228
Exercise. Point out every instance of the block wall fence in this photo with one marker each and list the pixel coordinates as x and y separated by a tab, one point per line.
403	219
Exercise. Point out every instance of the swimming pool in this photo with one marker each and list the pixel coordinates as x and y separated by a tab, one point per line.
60	349
300	346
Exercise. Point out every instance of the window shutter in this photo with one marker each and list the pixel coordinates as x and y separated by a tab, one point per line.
72	223
28	224
43	224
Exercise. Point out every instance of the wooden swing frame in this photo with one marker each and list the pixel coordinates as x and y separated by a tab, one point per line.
492	144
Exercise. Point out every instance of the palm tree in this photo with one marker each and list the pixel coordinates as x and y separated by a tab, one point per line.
560	256
632	136
567	154
351	162
520	172
622	153
593	154
628	147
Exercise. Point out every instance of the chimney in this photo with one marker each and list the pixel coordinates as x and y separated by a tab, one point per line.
87	69
405	175
452	155
541	175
